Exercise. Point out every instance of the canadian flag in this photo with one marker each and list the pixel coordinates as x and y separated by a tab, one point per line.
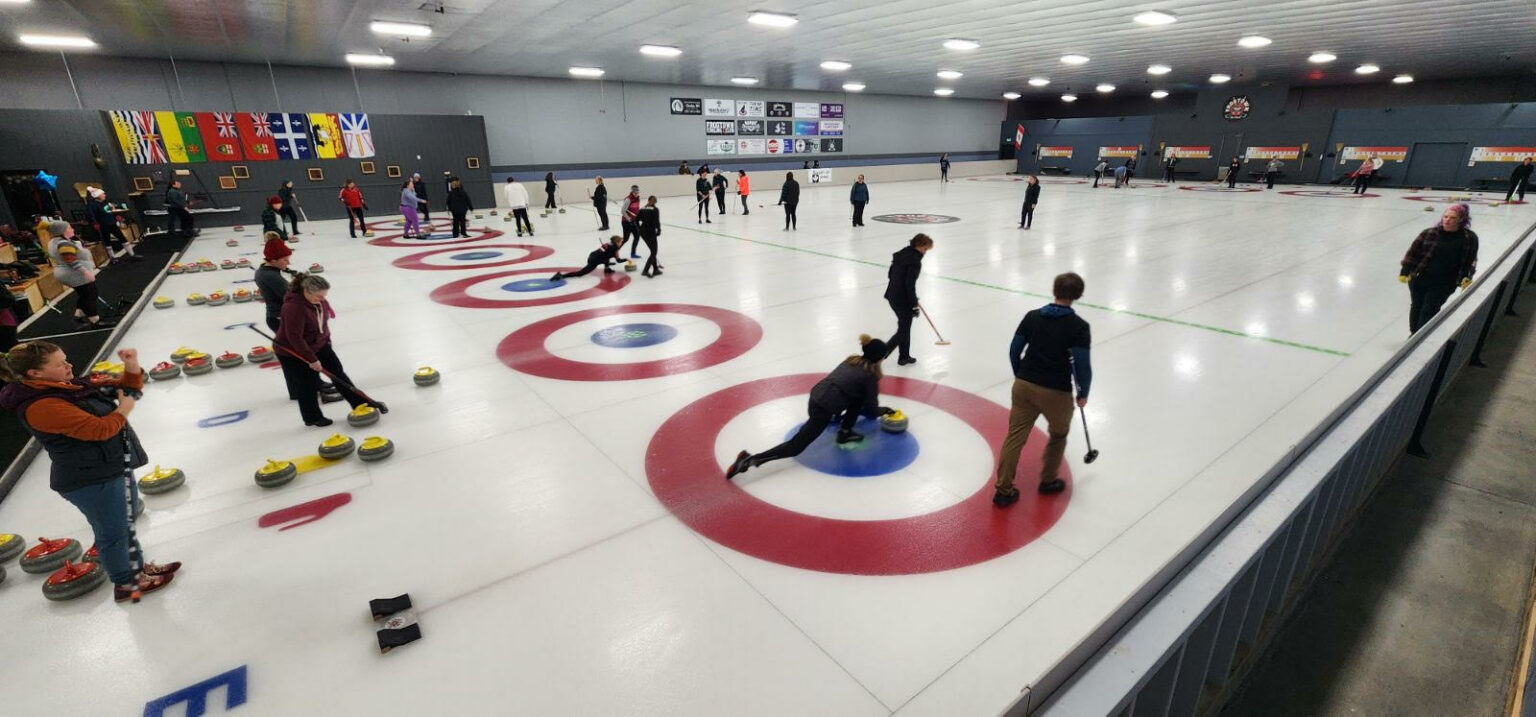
1018	138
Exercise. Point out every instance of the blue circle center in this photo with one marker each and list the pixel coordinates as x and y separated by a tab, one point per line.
476	255
533	285
634	336
878	454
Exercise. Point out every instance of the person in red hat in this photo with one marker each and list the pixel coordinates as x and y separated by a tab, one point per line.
276	256
270	221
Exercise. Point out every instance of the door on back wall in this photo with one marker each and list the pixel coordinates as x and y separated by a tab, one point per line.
1432	164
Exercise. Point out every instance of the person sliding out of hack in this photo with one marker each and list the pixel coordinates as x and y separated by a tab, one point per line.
603	256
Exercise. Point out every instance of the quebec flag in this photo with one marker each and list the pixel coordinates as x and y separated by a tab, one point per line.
290	131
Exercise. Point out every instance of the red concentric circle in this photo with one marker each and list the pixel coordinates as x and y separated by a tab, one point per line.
523	350
456	293
418	261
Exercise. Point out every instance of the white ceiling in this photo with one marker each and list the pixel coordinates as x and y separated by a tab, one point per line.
894	45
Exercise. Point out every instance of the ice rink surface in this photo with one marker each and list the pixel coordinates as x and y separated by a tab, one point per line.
555	505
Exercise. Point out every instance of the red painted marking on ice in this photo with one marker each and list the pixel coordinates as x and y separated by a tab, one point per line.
308	512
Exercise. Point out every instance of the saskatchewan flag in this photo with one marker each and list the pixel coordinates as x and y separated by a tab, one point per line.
327	133
183	143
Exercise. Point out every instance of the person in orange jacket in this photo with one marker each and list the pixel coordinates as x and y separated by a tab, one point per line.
743	188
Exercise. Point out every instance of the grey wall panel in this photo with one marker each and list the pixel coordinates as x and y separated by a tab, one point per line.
1490	125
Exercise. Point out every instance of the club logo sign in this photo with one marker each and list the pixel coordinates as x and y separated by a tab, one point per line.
832	145
916	218
780	128
750	127
1238	107
719	108
781	109
719	127
687	106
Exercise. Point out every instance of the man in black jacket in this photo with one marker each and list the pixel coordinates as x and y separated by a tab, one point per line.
460	207
901	293
1519	179
600	203
420	188
176	207
719	184
701	195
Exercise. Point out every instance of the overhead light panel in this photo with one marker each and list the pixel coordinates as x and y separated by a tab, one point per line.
1220	79
586	71
853	87
772	19
365	60
943	92
1252	41
1402	79
1154	18
1069	98
1159	70
660	50
1011	95
1318	58
76	41
959	44
950	74
1075	59
1105	87
836	65
400	28
1367	70
1038	82
1159	94
743	80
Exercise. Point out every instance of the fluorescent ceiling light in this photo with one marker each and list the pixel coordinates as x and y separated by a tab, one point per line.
1367	70
586	71
400	28
1011	95
1402	79
772	19
660	50
959	44
1159	70
836	65
370	60
744	80
14	2
1159	94
57	41
1319	58
1105	87
1219	79
1154	17
950	74
1038	82
943	92
1253	41
1075	59
853	86
1069	98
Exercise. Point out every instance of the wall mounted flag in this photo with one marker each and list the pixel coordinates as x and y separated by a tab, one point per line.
183	144
327	136
355	135
221	139
168	137
291	132
255	136
1018	138
127	136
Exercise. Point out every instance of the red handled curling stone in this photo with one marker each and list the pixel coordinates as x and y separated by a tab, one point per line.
49	555
74	580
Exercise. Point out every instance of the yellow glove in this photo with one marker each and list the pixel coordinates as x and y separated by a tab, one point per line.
1465	283
1402	279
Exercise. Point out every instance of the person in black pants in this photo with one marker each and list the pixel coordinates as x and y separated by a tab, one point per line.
460	207
648	229
944	168
851	390
1440	258
419	186
1233	168
1363	175
789	198
719	183
603	256
549	190
1031	198
176	202
289	210
701	196
1519	179
100	215
1168	165
304	331
600	203
859	196
901	294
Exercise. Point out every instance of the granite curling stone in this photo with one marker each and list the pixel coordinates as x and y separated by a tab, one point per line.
49	555
227	264
316	268
337	446
197	365
426	376
229	359
162	480
74	580
894	422
276	473
243	263
375	448
364	415
176	269
180	355
232	242
11	545
261	354
196	300
218	298
629	266
242	296
164	371
164	302
93	555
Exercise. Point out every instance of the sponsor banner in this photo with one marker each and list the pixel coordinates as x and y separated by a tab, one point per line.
810	110
749	108
751	146
1501	154
807	128
830	128
719	108
781	128
780	109
749	127
687	106
719	127
1284	153
776	146
806	146
832	144
1118	152
1387	154
819	176
833	110
1187	152
714	147
1056	152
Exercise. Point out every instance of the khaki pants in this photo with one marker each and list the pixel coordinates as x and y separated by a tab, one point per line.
1029	401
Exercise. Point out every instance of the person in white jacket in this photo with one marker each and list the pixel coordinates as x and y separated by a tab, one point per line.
72	267
517	201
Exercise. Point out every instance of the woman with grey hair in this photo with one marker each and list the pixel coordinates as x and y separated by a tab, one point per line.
72	267
304	332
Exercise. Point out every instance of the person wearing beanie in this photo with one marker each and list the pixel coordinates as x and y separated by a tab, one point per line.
517	202
850	391
290	207
1441	258
628	219
72	267
459	206
270	221
270	283
602	256
1049	352
304	334
901	294
99	213
352	198
743	188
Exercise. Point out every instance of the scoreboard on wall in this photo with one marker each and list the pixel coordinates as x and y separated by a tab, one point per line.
759	127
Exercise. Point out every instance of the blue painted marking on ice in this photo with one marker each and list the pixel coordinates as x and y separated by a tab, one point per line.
232	327
878	454
532	285
223	419
634	336
476	255
196	696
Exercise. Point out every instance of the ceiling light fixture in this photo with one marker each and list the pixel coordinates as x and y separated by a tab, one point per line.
660	50
14	2
1159	94
1069	98
853	87
959	44
1220	79
586	71
1154	18
950	74
1011	95
943	92
771	19
1038	82
1367	69
1319	58
1075	59
370	60
76	41
1402	79
1252	41
1159	70
400	28
1105	87
836	65
743	80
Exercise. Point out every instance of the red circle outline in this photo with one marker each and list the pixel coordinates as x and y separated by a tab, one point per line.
454	293
1220	190
1330	194
684	474
1446	199
415	262
523	350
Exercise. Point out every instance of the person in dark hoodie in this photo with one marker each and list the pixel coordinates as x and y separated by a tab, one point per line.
648	230
789	198
627	220
99	213
901	294
600	204
290	208
549	190
460	207
1031	198
91	449
719	182
859	196
1441	258
701	195
602	256
271	217
304	332
1049	352
850	391
176	209
419	187
1519	179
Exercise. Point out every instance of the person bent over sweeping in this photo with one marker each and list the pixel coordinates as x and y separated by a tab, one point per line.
851	390
602	256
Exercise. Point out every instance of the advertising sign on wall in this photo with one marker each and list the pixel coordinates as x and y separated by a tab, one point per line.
1118	152
830	128
1387	154
781	128
719	108
1285	153
775	146
834	110
751	146
719	146
1056	152
807	146
1500	154
687	106
819	176
832	144
749	108
781	109
809	110
803	127
1187	152
749	127
719	127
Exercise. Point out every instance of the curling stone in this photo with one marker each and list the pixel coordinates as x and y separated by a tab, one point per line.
260	354
162	480
629	266
375	448
329	393
337	446
244	263
507	218
227	264
180	355
229	359
493	212
367	232
894	422
293	240
92	555
275	473
196	300
218	298
164	371
1429	209
426	376
107	367
242	296
364	415
11	545
562	210
232	242
238	227
74	580
164	302
478	215
176	269
49	555
197	365
316	268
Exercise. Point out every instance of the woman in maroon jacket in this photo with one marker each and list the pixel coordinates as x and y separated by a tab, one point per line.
304	331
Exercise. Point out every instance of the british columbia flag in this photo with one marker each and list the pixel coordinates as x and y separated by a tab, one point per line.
151	151
356	135
291	130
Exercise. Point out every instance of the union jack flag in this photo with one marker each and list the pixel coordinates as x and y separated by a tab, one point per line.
151	151
225	122
356	135
259	123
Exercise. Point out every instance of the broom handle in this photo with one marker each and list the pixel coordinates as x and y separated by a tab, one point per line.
930	322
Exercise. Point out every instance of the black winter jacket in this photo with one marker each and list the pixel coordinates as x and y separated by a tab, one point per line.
905	266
